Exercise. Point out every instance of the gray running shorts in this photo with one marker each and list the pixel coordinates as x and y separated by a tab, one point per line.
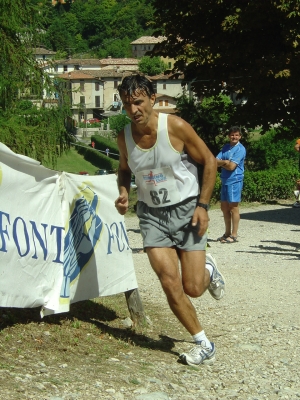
170	226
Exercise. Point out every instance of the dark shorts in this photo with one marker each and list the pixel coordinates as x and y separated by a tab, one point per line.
170	226
232	193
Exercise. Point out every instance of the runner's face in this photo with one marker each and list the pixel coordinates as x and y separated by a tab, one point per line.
234	138
138	107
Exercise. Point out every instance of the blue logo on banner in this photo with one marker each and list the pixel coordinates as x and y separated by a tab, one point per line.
82	235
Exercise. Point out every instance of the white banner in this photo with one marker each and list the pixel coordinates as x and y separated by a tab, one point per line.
61	238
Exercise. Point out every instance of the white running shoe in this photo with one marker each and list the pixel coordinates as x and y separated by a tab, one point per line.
199	354
217	281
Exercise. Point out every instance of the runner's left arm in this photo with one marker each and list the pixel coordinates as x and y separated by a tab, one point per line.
182	132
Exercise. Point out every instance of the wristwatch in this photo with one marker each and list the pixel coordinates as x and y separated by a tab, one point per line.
205	206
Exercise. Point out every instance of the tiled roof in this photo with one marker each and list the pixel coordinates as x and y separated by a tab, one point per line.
166	110
42	50
163	76
119	61
78	75
149	40
159	95
79	61
160	76
109	73
87	74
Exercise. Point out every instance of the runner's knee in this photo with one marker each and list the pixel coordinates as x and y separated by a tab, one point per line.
193	289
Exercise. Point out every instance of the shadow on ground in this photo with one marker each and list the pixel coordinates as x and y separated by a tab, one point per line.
285	215
103	318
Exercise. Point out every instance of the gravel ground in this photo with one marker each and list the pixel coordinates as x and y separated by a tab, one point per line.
255	328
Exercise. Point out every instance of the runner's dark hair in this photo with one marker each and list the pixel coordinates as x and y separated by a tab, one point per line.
133	83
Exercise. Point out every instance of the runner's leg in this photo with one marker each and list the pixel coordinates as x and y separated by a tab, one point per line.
164	262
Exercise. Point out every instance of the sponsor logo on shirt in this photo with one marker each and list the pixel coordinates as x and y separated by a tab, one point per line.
154	179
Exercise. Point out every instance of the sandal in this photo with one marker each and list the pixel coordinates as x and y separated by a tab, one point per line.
222	238
233	239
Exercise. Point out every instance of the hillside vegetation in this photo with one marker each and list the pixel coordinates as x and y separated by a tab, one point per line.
93	28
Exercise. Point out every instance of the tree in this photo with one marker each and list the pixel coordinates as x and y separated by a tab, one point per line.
19	32
247	47
26	130
116	48
152	65
210	118
58	38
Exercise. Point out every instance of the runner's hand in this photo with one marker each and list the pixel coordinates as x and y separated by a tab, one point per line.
201	219
122	204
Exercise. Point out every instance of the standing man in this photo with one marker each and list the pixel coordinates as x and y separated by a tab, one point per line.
173	215
231	158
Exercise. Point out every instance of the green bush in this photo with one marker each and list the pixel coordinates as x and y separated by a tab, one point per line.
217	190
269	150
102	144
98	159
262	186
117	122
270	184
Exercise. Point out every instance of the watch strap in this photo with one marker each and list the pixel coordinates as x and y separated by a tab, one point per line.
203	205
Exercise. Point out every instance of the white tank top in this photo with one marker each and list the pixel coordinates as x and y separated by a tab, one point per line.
163	176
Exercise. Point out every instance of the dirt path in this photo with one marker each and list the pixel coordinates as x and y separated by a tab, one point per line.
89	354
256	326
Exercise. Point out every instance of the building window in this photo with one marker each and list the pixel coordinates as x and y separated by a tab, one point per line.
76	67
81	116
97	86
82	100
170	64
144	47
134	47
65	68
166	103
97	101
149	48
81	85
161	103
164	86
154	85
115	84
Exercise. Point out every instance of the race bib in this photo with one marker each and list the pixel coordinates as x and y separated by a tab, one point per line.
158	187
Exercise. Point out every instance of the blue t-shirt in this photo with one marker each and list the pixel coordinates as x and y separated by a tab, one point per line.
237	155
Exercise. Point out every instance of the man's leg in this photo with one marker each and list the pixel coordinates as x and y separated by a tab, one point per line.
235	217
164	262
225	207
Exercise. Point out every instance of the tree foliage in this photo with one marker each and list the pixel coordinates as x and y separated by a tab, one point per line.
270	151
210	118
97	28
247	47
19	32
152	65
24	128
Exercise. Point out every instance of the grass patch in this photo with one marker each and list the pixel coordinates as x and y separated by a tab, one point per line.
71	161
